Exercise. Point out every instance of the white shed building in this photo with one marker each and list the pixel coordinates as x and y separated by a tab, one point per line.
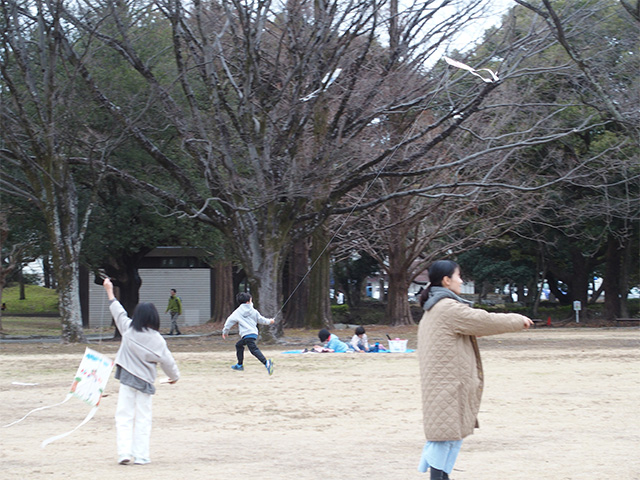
164	268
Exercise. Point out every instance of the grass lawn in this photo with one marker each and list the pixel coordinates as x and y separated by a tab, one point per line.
28	326
38	300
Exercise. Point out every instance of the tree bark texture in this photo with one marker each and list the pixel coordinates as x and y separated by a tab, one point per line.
398	311
223	301
319	307
612	275
297	285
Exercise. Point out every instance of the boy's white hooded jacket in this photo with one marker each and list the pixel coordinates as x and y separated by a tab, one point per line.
247	319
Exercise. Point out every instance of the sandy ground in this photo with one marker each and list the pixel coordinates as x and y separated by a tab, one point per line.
558	404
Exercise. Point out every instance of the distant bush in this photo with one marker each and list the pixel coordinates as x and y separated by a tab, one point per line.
368	313
555	311
340	310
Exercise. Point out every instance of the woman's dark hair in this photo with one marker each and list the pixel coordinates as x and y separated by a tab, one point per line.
145	316
324	334
437	271
243	297
360	330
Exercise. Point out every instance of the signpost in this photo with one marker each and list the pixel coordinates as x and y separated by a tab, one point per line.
577	306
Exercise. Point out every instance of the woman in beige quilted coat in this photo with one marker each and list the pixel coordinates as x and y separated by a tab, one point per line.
450	366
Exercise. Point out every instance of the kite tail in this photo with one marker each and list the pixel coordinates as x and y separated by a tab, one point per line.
38	409
89	416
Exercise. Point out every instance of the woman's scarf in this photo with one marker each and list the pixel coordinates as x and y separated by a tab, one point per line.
438	293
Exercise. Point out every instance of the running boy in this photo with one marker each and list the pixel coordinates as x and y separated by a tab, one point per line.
247	319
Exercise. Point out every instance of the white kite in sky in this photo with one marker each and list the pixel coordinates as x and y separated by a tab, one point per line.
328	79
455	63
88	385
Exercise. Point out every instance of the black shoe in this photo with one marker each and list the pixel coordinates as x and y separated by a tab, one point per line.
170	333
179	333
438	474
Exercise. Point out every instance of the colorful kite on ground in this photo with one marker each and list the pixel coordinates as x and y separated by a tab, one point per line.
88	385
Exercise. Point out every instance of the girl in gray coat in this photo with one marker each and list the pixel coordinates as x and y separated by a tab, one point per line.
450	367
141	350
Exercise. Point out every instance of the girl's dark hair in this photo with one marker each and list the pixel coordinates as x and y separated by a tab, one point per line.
243	297
437	271
359	330
145	315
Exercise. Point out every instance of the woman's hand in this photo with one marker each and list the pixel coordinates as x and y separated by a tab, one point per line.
108	287
527	323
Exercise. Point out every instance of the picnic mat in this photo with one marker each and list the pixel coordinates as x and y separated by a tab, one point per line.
409	350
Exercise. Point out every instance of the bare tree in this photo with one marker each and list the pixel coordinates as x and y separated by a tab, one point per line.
268	116
41	131
268	105
596	212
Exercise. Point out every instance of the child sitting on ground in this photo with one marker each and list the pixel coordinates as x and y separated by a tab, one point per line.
359	341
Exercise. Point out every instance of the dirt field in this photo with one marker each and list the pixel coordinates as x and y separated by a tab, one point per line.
559	404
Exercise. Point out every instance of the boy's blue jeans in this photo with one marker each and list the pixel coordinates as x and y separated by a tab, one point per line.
250	342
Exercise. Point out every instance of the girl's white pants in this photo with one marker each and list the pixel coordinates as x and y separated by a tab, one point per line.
133	424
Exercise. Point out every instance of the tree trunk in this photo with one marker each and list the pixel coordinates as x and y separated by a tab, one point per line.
61	214
611	280
624	280
542	268
260	243
21	284
69	300
126	278
398	311
579	281
223	301
46	273
128	281
266	300
319	308
265	283
296	285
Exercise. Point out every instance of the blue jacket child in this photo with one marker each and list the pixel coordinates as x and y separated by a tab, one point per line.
333	342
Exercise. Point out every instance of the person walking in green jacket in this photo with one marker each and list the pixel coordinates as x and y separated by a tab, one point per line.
175	310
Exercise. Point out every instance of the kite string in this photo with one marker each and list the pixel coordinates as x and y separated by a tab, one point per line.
378	173
334	235
369	186
101	319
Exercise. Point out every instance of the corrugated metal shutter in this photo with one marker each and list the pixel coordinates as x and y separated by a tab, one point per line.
193	287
